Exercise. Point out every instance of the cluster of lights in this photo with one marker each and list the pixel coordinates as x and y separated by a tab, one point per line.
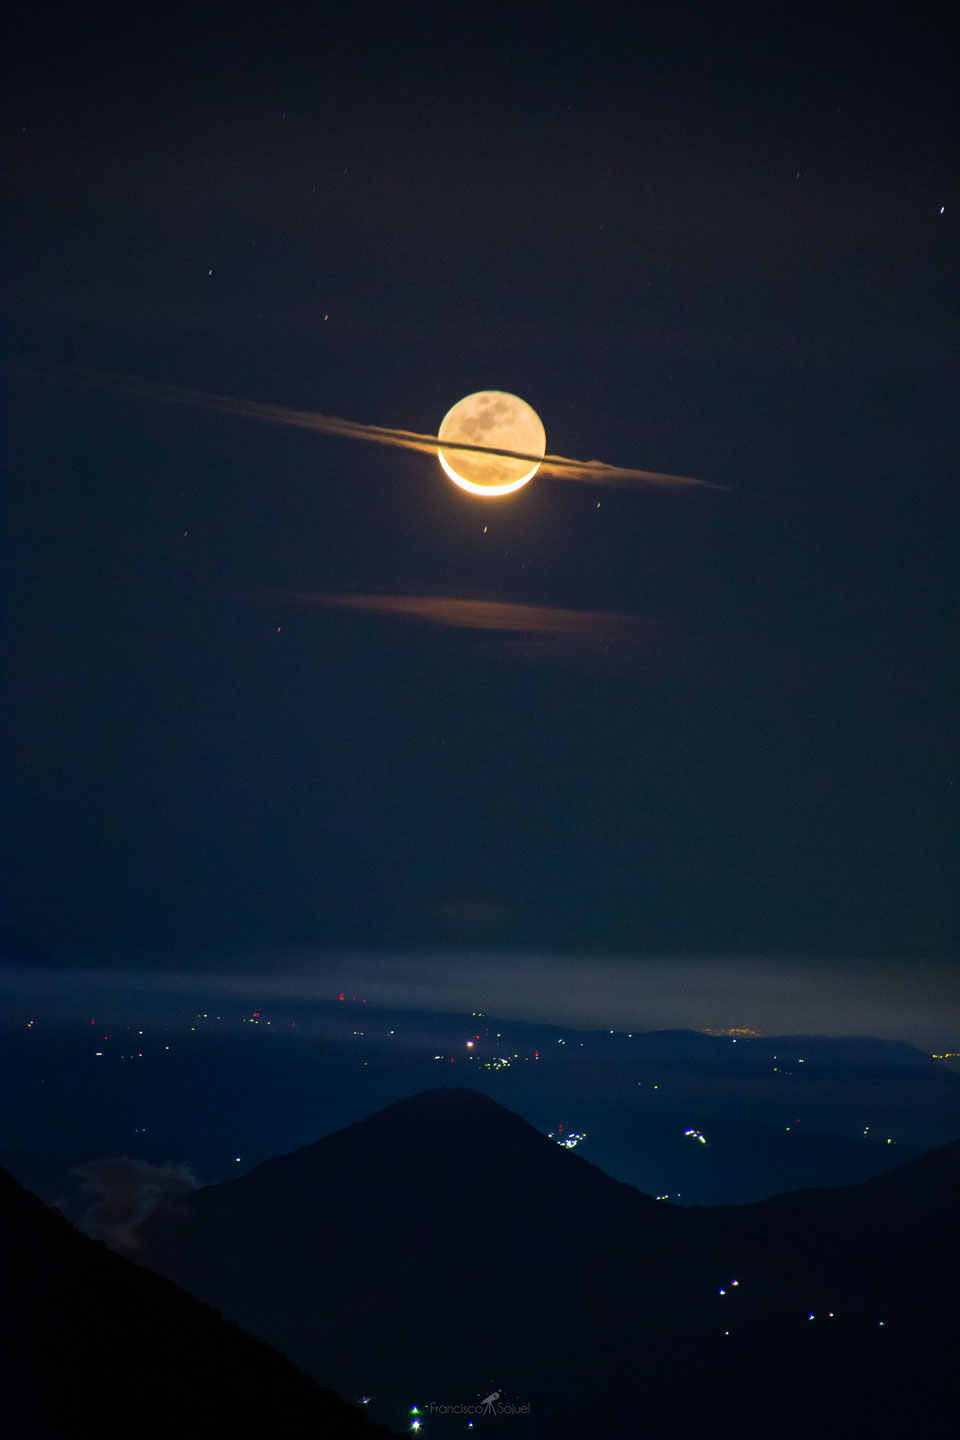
867	1127
734	1030
570	1141
695	1134
786	1072
498	1062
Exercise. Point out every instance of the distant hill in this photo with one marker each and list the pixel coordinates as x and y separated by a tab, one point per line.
443	1249
96	1346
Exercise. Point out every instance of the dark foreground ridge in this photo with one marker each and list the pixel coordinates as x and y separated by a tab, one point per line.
443	1248
95	1345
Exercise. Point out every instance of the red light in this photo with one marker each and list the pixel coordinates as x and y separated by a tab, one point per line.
256	1014
340	996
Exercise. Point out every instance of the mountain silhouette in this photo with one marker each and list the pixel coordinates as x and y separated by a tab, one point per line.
443	1248
95	1345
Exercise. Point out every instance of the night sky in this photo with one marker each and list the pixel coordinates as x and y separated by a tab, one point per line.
251	707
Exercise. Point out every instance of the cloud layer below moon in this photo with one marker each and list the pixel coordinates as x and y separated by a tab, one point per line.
466	614
526	632
593	471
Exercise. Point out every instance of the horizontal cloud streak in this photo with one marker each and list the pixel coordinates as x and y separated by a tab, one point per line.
527	632
466	614
594	471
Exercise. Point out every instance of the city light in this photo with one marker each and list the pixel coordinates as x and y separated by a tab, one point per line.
570	1141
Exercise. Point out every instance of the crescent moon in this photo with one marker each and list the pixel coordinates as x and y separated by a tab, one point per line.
495	419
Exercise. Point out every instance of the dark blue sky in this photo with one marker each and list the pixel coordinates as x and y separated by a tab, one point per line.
709	242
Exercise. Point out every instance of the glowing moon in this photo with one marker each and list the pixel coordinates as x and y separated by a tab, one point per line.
498	420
